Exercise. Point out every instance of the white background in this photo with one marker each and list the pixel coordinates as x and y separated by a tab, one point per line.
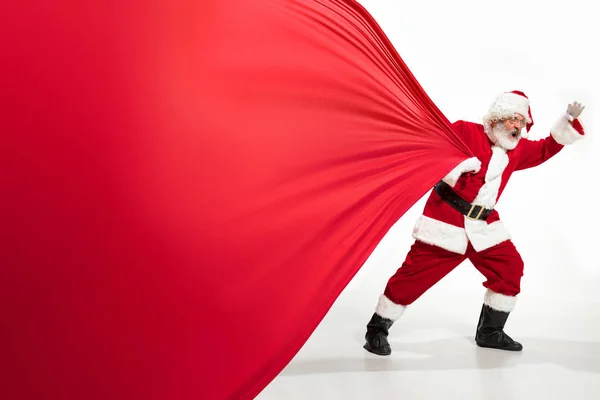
464	53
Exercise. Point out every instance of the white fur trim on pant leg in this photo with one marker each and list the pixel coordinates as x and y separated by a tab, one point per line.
388	309
564	133
500	302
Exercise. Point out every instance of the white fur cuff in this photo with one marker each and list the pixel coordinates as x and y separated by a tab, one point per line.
500	302
564	133
469	165
388	309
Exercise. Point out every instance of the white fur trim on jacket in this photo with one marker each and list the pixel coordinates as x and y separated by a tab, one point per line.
483	235
469	165
564	133
441	234
488	193
500	302
388	309
456	239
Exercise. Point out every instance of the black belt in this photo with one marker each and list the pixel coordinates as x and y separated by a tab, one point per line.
471	211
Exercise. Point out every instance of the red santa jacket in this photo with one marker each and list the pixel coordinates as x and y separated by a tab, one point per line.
443	226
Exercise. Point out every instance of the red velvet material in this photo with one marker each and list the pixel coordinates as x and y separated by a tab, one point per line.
425	265
188	186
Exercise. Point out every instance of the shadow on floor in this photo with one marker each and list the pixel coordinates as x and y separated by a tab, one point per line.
456	353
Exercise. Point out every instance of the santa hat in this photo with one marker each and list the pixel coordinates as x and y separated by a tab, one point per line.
506	106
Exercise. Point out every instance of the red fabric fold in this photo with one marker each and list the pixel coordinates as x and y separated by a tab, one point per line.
188	186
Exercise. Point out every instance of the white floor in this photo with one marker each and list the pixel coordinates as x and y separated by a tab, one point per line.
557	319
434	357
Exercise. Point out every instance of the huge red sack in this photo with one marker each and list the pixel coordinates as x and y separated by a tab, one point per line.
188	186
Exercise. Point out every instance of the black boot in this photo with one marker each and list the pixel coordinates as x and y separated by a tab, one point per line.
490	331
376	336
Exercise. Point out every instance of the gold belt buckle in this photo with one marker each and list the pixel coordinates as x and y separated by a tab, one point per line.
478	214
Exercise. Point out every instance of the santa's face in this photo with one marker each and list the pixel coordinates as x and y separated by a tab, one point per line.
507	133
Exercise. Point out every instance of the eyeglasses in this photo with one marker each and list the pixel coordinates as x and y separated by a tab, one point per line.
512	119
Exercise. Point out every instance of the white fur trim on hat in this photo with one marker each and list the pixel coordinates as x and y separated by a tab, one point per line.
507	105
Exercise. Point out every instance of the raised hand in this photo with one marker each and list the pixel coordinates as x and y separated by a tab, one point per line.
574	110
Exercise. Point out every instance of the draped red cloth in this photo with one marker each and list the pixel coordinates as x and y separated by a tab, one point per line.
188	186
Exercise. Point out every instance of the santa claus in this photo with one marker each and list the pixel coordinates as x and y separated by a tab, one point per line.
459	221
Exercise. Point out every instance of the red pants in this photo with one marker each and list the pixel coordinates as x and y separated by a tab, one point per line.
425	265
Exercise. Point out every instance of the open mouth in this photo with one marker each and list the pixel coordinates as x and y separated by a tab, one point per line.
515	134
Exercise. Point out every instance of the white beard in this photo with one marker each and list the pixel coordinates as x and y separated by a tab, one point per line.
503	138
